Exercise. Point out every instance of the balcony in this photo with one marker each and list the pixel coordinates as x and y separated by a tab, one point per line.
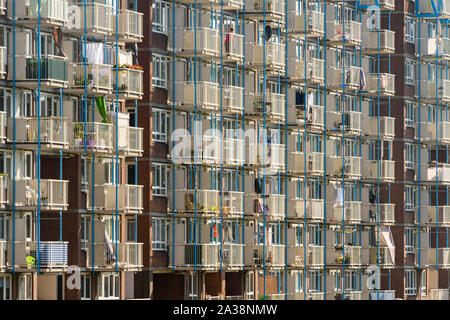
351	214
296	208
275	205
432	257
188	201
275	106
316	256
232	255
338	35
295	256
3	190
353	295
385	259
313	73
429	91
316	296
383	83
382	295
232	203
427	49
350	119
130	26
104	255
384	4
207	45
385	174
387	42
315	209
443	215
428	132
52	71
386	129
296	162
54	194
207	98
130	141
3	7
129	198
315	163
52	254
99	21
233	51
442	9
440	172
348	255
196	149
274	10
233	99
54	132
99	137
352	167
53	13
311	24
274	56
387	213
99	79
187	255
272	254
439	294
130	83
233	151
337	81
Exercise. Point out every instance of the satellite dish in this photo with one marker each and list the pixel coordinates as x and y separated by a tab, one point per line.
268	32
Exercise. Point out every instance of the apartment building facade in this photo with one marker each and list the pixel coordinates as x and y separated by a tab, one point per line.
204	149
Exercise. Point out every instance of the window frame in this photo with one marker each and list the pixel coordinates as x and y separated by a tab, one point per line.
159	65
159	190
159	240
160	117
162	13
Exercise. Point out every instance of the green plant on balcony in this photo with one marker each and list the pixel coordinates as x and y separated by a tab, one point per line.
78	131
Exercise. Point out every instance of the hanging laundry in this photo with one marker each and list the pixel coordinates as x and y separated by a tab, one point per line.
338	202
382	81
94	53
300	99
362	79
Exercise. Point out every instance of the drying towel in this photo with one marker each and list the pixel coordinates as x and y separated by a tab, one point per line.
94	53
362	79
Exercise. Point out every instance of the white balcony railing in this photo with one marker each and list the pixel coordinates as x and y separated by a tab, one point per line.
232	203
233	151
386	129
52	12
275	204
129	197
386	169
99	18
233	99
430	90
386	43
208	95
315	209
439	294
316	255
351	30
232	255
234	49
190	200
313	72
3	60
130	83
352	212
99	77
428	47
384	83
202	255
274	55
442	216
129	255
96	136
315	163
312	24
275	7
52	254
130	26
442	8
130	140
208	41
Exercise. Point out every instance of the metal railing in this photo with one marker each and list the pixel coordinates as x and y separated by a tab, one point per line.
130	25
385	81
233	100
99	136
314	22
208	94
99	77
232	255
130	140
99	18
130	82
129	197
387	41
54	193
207	200
53	130
233	151
52	10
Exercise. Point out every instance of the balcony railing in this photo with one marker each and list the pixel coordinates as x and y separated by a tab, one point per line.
129	197
387	213
315	209
98	19
3	6
130	26
296	208
387	41
52	254
442	8
197	149
185	200
315	163
443	215
208	42
296	162
52	12
233	99
386	171
3	254
274	55
98	76
208	95
382	295
99	136
233	151
312	24
3	190
53	194
52	71
275	204
384	4
350	80
430	91
439	294
274	7
386	128
428	48
316	255
130	140
187	255
352	32
295	256
3	60
385	257
428	131
313	73
352	212
441	173
232	203
432	257
127	254
273	254
53	131
234	49
351	255
384	83
232	255
130	83
316	295
3	125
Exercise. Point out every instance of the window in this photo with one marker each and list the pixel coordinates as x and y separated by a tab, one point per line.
409	72
85	230
409	29
315	235
410	282
423	282
159	66
85	286
249	286
337	280
131	228
410	240
315	281
86	168
5	287
298	230
298	281
409	114
159	173
409	155
25	287
112	228
193	286
159	234
159	13
27	165
108	287
28	226
350	280
409	198
159	125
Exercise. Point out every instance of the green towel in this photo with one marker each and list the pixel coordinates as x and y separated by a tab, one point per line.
101	107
